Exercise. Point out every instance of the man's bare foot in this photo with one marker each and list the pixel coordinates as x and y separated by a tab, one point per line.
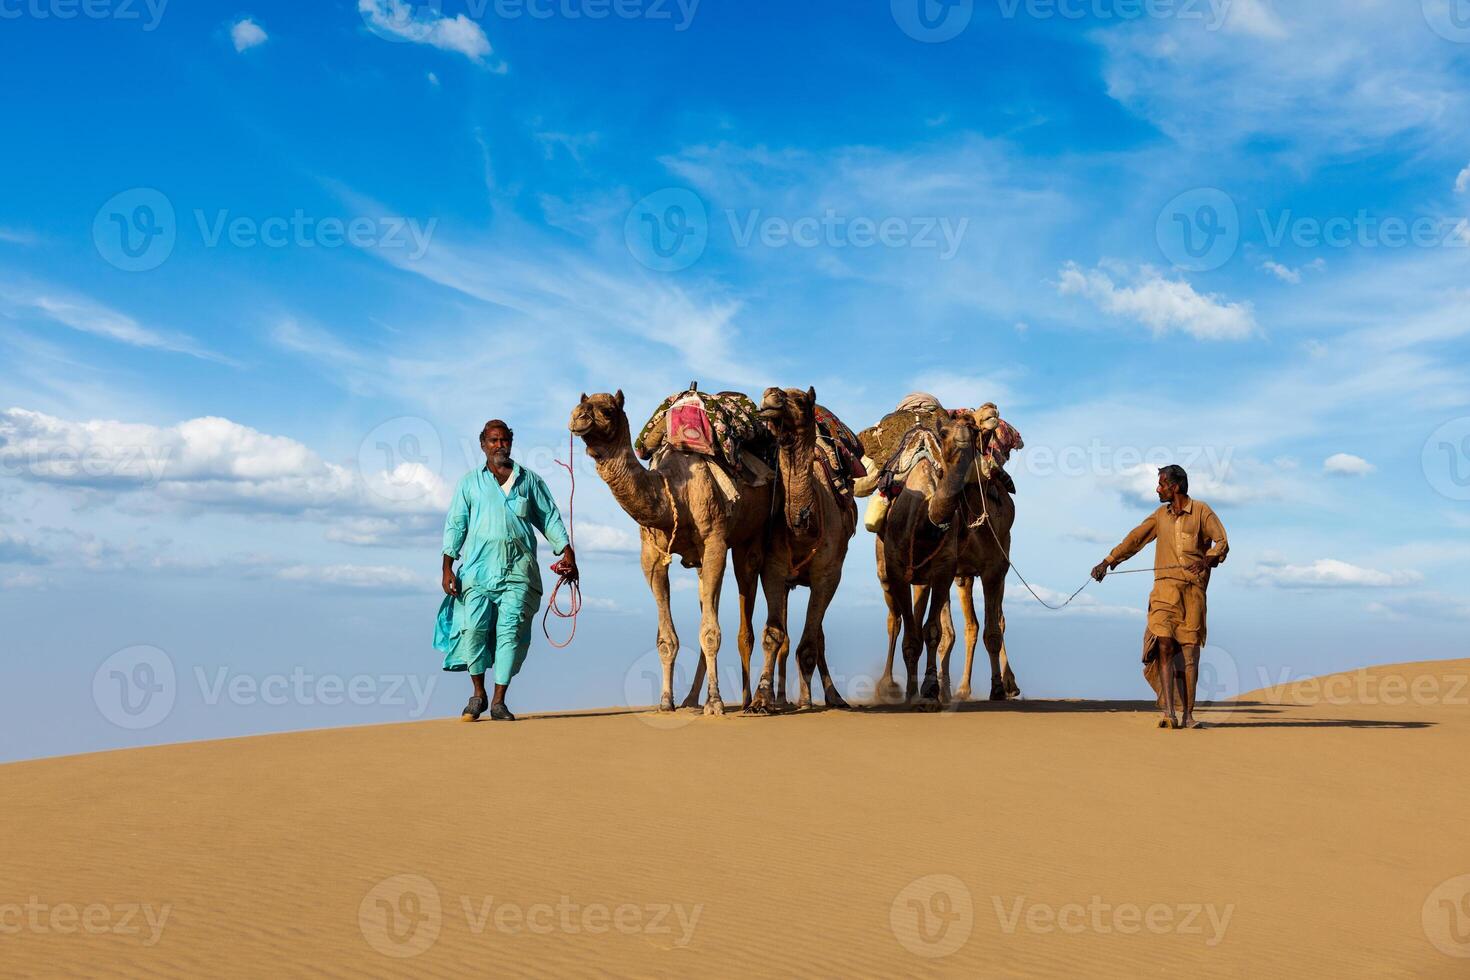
1194	723
1167	722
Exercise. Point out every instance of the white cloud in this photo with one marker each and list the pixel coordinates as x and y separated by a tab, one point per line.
208	461
1346	464
1163	305
17	236
245	34
1462	182
1329	573
433	79
420	24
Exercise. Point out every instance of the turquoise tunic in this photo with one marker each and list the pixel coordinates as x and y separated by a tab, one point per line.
490	531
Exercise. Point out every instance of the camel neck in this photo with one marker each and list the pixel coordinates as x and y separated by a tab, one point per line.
950	488
797	485
642	494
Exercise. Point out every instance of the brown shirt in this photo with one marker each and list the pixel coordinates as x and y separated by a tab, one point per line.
1193	535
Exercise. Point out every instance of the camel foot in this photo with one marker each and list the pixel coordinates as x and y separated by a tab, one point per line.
833	699
1013	691
804	704
930	690
963	694
690	702
763	703
714	707
667	704
887	692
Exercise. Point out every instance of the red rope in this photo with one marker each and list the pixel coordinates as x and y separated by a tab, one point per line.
565	575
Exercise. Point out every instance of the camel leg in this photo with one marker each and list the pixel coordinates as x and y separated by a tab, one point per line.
657	575
774	640
994	584
711	579
929	694
972	632
811	652
886	690
946	645
1013	690
747	561
912	640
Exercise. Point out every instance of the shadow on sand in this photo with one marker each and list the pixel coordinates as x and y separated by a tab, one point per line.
1258	714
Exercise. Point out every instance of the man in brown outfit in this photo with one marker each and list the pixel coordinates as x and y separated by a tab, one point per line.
1190	541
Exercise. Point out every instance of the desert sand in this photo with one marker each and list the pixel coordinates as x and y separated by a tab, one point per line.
1314	831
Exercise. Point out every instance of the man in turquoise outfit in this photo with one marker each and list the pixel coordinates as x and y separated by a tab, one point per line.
485	620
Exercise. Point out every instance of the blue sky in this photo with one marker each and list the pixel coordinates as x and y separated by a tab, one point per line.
357	230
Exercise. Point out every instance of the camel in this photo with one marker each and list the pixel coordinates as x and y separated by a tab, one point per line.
808	545
982	555
681	511
918	553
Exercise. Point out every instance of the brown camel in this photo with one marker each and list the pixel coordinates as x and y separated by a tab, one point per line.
982	555
918	552
808	545
681	500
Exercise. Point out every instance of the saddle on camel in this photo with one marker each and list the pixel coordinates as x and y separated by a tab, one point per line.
912	432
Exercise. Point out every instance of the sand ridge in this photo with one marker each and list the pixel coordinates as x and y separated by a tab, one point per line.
1314	830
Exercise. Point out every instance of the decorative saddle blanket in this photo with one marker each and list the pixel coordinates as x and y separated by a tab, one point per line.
723	426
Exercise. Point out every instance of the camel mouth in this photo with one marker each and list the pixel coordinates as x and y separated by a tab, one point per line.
579	427
770	413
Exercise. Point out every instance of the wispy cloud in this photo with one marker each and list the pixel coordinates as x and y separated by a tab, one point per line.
90	317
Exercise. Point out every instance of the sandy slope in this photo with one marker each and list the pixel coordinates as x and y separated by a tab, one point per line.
1043	838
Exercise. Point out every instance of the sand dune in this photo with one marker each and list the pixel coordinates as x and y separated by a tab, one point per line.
1314	831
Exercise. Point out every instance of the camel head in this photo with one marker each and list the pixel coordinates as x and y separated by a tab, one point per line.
600	421
957	442
789	413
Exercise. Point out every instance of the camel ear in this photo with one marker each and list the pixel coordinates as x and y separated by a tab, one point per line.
584	399
811	394
619	398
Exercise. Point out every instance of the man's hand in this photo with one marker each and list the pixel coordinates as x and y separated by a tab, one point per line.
451	583
1101	569
1201	566
568	564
